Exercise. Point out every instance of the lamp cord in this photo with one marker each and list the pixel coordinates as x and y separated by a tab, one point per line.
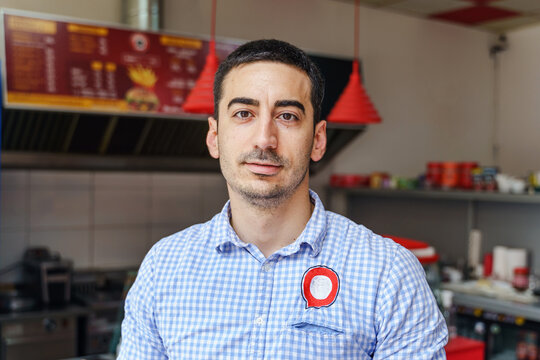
213	27
356	28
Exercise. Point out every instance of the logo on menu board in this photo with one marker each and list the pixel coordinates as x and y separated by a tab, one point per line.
320	286
139	42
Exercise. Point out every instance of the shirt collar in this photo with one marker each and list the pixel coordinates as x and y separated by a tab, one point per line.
313	234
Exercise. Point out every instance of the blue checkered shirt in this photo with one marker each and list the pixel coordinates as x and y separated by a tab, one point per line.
203	293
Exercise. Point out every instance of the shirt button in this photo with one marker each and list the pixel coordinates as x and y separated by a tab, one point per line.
266	267
259	320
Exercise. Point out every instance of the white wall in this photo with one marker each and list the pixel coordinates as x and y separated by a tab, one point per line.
98	10
519	102
101	219
432	82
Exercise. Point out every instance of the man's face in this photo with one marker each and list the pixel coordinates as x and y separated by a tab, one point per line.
266	137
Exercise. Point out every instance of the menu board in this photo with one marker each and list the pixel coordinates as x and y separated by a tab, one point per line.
80	66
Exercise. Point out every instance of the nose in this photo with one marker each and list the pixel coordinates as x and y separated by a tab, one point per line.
266	136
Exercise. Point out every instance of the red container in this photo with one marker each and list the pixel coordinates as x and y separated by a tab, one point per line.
450	176
433	174
461	348
348	180
520	282
488	264
465	174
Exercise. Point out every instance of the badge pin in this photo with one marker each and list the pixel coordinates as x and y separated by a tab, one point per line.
320	286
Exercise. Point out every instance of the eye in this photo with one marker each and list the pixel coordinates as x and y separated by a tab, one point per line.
242	114
288	117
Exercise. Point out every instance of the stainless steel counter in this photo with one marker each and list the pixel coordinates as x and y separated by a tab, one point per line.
527	311
94	357
41	334
71	310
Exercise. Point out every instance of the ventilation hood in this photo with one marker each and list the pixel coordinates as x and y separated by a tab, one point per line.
37	139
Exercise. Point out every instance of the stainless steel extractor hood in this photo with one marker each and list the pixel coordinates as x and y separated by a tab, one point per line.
37	139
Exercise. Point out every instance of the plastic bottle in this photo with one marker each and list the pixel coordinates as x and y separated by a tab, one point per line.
449	313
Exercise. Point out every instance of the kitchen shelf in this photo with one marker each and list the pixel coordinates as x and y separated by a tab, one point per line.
70	310
527	311
439	194
445	219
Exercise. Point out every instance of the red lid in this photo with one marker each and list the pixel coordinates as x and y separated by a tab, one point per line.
425	253
468	164
348	180
462	345
449	164
521	271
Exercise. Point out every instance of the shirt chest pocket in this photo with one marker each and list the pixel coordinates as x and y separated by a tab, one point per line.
313	335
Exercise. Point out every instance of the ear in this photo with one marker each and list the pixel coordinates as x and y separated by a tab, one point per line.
212	138
319	141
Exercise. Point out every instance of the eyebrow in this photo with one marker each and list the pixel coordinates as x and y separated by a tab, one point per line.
243	100
285	103
279	103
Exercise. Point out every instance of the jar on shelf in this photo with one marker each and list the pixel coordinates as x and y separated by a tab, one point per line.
466	174
450	176
433	174
520	282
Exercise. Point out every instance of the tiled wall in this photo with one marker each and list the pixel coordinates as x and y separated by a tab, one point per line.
100	219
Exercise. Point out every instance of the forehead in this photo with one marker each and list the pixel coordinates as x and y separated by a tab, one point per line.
266	79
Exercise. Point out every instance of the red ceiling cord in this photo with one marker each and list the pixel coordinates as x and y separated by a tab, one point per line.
201	98
356	29
213	27
353	105
481	2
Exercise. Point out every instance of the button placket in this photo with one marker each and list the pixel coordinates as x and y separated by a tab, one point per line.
258	338
259	320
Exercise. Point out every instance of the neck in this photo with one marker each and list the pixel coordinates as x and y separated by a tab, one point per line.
271	229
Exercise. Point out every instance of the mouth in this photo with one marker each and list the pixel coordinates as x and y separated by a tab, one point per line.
261	168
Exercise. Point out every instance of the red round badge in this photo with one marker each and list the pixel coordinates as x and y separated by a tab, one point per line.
320	286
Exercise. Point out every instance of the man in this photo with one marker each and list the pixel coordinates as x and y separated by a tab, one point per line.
274	275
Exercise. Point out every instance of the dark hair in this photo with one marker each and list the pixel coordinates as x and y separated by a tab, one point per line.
277	51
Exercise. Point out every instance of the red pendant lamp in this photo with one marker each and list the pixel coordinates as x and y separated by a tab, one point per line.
353	105
201	98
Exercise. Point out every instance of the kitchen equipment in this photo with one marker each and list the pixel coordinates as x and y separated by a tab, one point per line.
504	327
101	293
14	301
40	337
50	276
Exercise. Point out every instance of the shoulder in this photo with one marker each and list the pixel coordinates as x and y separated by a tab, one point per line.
174	249
365	256
359	238
180	239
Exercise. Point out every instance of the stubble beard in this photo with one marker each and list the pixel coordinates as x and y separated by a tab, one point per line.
267	198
